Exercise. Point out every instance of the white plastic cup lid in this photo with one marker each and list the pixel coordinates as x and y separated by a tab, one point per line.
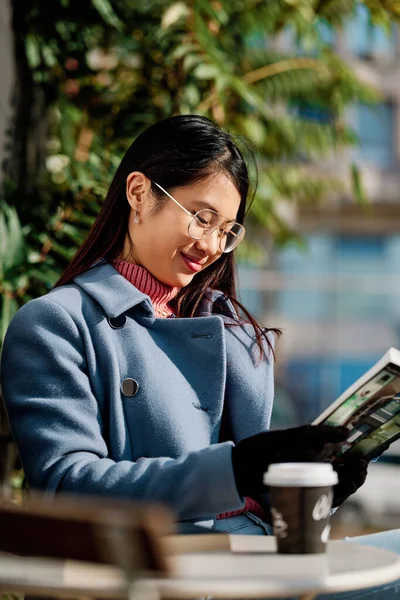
300	475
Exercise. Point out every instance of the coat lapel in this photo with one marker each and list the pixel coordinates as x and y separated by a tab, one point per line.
113	292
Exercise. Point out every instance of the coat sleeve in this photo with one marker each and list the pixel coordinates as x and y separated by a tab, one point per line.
58	426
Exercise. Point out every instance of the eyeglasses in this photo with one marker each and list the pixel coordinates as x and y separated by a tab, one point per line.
205	221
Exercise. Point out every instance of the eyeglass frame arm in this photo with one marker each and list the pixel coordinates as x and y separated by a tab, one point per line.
191	214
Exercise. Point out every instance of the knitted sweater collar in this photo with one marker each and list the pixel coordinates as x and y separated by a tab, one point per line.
159	293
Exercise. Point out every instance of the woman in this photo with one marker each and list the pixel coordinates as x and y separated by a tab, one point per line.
136	377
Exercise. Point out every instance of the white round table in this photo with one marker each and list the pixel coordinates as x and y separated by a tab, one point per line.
220	574
346	566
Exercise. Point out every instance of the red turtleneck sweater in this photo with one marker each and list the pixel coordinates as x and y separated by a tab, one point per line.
160	295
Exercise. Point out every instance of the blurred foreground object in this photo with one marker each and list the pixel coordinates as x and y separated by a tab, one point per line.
118	533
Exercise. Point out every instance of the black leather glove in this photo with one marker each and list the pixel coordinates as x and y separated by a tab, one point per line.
352	473
375	455
309	443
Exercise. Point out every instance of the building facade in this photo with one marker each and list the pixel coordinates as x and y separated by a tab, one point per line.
338	302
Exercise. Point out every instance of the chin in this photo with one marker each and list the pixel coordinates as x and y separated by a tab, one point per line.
177	278
181	280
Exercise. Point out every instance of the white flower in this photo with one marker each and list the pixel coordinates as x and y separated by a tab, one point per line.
134	61
57	163
97	59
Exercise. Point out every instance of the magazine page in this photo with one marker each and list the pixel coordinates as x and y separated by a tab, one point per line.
371	412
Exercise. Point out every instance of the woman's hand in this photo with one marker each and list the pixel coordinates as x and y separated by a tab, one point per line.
352	473
309	443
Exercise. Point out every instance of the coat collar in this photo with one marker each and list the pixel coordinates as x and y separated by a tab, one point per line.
111	290
116	295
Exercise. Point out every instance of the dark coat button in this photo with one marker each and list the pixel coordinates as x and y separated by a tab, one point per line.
129	387
116	322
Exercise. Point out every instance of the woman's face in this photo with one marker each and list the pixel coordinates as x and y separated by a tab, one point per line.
161	242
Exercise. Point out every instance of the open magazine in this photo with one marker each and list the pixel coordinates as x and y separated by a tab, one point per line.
370	409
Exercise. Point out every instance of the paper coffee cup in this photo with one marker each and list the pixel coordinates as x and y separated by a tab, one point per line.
301	498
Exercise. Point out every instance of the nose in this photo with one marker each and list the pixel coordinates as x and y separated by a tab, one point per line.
209	243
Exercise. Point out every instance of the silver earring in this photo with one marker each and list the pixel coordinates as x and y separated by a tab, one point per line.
136	219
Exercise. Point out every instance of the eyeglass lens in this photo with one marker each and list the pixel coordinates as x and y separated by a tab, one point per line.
206	221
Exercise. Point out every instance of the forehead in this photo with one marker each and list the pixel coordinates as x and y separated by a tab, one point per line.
217	192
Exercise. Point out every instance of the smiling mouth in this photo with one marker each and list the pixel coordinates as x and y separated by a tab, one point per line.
194	265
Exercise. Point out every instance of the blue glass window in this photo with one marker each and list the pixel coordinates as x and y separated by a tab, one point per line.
327	33
315	113
375	127
253	301
362	248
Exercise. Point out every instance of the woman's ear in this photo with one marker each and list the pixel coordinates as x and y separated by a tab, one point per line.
137	185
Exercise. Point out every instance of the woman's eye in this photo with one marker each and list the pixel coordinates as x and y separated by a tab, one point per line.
202	220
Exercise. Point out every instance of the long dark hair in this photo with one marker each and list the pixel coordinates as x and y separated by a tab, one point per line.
177	151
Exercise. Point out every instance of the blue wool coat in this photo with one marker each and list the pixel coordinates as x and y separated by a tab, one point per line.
104	398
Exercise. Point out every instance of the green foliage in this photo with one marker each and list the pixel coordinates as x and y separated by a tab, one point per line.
103	73
12	256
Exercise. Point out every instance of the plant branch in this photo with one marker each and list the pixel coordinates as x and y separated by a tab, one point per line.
284	65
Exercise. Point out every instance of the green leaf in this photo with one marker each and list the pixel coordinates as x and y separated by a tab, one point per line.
219	14
32	51
12	244
190	61
205	71
3	242
16	245
8	308
357	185
47	276
183	49
107	13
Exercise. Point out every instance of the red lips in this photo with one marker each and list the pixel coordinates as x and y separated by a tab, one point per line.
194	264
